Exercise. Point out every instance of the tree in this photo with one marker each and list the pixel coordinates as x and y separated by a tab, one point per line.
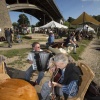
66	23
23	20
70	19
15	25
97	17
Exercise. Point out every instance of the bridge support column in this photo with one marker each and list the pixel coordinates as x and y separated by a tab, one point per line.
5	21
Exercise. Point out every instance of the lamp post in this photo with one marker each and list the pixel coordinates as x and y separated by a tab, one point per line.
30	20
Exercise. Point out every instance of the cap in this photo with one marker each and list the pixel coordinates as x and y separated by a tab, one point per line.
51	32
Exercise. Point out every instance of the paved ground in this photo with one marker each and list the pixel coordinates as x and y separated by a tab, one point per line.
26	44
91	57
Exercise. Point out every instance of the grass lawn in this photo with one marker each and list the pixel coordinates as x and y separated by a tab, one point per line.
82	45
22	53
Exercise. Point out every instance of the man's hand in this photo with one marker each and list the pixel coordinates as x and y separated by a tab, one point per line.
30	61
54	84
52	69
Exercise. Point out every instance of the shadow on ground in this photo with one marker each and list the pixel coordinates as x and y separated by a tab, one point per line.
96	48
15	73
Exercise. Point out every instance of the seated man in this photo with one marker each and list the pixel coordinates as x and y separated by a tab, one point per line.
57	48
51	39
68	83
38	61
72	42
18	38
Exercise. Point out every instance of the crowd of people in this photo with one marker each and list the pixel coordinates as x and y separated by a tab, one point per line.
11	37
67	85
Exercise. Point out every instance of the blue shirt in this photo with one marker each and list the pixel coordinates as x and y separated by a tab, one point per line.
51	39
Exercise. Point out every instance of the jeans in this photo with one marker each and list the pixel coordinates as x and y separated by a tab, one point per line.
29	72
9	41
46	90
40	76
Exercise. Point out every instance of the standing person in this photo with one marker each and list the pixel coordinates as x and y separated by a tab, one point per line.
18	38
68	84
32	59
51	38
8	37
12	35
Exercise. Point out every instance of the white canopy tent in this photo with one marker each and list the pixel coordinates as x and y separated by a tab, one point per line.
53	24
86	28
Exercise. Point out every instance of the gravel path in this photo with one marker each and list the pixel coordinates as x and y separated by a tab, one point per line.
19	46
91	57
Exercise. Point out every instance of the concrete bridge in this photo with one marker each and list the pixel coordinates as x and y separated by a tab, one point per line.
43	10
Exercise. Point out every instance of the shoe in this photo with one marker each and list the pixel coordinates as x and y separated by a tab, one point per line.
9	46
33	83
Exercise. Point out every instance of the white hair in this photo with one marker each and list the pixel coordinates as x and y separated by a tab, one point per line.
60	57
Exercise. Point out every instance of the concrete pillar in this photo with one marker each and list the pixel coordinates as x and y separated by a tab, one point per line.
5	21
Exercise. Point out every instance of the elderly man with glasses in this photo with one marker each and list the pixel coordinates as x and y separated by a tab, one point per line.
31	60
68	83
38	60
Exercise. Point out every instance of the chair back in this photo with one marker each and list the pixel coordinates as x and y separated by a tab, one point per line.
3	74
87	77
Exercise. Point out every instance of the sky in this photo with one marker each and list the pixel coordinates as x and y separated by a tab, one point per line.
68	8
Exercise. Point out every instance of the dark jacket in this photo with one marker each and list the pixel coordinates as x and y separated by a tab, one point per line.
7	33
72	72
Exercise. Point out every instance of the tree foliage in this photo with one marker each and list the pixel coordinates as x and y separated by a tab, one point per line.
70	19
15	25
97	17
23	20
66	23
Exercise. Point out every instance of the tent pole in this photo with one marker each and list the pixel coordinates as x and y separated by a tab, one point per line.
83	20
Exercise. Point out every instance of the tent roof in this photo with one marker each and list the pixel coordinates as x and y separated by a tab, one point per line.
86	27
53	24
83	18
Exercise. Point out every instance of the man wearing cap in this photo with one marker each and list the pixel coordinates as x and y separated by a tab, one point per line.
51	38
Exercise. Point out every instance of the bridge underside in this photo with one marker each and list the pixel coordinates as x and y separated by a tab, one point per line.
41	9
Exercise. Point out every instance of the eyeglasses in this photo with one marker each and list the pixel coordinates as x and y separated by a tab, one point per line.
37	47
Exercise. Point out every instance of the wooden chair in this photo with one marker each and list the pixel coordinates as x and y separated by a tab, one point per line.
3	74
2	69
87	77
